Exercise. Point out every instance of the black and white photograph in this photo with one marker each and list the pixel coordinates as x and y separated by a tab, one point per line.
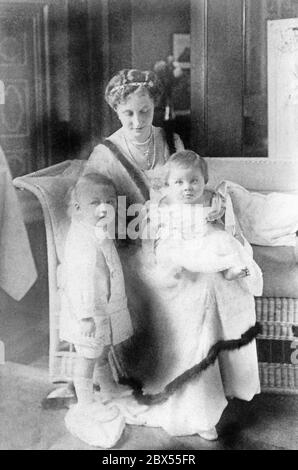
149	228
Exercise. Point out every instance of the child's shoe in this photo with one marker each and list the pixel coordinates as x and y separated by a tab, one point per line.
59	398
96	424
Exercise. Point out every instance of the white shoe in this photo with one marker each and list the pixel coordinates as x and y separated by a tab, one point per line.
95	424
209	435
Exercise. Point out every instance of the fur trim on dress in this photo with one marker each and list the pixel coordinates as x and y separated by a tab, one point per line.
193	372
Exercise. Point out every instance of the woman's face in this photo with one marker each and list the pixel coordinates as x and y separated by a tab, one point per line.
136	116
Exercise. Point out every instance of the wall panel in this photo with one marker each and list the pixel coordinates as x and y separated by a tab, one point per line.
224	77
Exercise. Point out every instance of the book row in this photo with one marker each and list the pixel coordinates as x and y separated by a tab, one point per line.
279	376
281	309
277	330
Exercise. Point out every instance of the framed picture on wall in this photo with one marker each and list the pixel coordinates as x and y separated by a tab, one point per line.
181	49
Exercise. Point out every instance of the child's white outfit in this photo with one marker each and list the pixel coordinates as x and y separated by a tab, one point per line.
93	286
183	234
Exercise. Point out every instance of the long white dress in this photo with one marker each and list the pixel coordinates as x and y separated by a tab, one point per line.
189	314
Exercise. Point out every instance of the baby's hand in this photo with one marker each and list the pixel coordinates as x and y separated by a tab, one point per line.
88	328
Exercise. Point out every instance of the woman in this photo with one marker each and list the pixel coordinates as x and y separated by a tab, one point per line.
157	355
133	94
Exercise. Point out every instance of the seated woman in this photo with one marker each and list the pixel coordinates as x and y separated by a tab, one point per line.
186	367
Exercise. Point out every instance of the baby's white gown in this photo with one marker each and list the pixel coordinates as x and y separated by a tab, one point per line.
185	240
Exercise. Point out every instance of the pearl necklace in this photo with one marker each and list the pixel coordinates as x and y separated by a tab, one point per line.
146	142
146	153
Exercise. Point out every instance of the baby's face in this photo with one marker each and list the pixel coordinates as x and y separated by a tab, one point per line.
96	204
185	185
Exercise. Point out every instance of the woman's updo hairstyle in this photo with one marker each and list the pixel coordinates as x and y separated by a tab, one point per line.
129	81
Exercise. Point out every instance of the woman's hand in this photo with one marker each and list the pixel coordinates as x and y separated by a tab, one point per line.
88	328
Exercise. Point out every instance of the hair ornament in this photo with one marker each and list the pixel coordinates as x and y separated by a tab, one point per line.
126	83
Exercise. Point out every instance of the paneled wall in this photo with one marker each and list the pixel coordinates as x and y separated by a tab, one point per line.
34	66
107	48
229	74
224	77
23	70
125	34
75	46
153	24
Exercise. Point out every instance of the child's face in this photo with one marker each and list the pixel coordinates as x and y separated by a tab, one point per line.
95	204
185	185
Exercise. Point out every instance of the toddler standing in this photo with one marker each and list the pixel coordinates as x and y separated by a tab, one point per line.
94	314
